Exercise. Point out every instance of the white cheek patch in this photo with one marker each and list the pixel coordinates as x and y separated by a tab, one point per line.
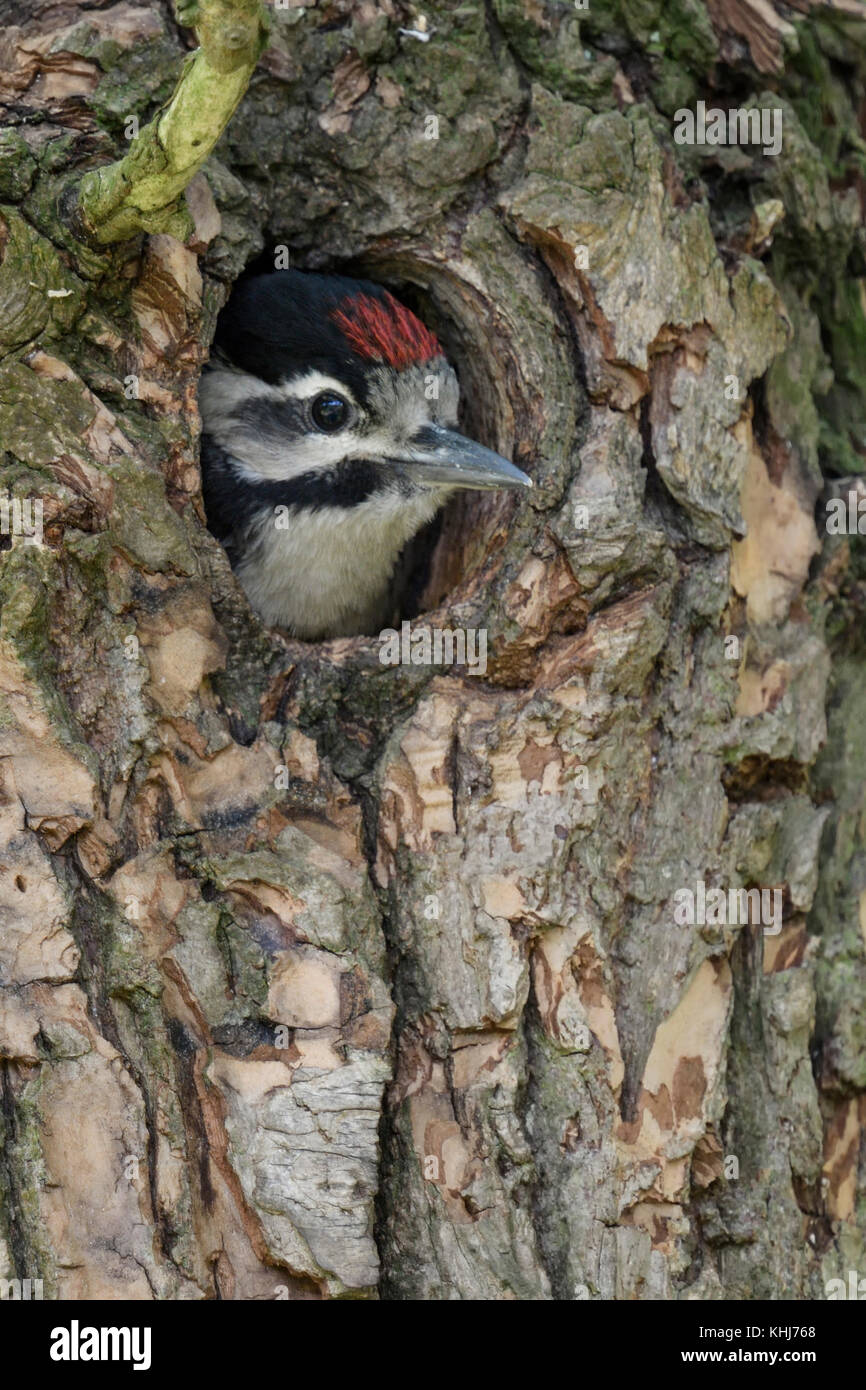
224	391
278	461
221	391
406	400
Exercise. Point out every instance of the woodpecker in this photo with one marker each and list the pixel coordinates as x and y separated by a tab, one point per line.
328	440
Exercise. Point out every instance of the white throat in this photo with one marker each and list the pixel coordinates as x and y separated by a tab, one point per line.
327	573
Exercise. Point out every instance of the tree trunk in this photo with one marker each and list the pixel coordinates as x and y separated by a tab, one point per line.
328	978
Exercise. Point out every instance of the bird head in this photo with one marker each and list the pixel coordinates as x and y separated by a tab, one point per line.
328	401
315	373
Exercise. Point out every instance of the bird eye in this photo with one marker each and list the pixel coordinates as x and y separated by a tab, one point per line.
329	411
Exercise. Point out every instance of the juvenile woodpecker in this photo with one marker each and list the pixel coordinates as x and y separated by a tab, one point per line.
328	414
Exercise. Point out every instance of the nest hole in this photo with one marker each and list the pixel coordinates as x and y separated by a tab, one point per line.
434	565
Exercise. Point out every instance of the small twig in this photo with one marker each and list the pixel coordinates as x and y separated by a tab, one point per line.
141	191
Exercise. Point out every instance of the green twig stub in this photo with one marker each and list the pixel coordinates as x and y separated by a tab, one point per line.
141	192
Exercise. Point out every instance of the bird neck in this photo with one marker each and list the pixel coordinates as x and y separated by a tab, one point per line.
325	571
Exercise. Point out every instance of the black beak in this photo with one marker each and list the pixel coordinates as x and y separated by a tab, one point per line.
445	458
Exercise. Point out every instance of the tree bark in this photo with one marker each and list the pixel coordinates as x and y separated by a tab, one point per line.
325	978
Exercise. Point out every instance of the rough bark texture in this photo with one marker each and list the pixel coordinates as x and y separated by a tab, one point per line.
322	978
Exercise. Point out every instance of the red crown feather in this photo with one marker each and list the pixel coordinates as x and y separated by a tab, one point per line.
385	331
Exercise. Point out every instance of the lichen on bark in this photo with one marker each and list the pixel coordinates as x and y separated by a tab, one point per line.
140	192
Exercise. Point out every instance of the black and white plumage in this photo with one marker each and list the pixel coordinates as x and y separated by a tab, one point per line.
328	441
